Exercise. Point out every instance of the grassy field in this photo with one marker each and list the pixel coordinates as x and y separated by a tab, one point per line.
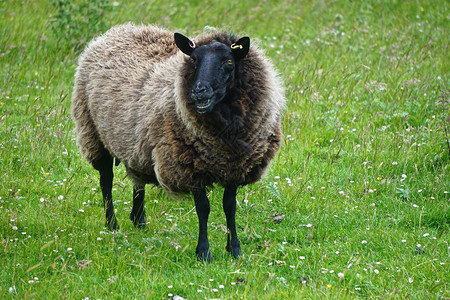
362	179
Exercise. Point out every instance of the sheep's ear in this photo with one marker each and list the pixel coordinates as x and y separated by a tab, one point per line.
184	44
241	47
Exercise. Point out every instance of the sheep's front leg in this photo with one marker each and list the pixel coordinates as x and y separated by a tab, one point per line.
138	211
202	207
105	166
229	207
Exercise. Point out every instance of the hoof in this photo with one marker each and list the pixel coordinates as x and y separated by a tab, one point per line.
112	225
138	223
235	250
204	255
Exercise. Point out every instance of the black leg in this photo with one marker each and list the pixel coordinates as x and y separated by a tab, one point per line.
138	211
105	166
229	207
202	207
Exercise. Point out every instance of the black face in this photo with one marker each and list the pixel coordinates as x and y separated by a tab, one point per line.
214	66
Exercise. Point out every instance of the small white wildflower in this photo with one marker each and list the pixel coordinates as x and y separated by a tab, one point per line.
170	295
221	286
308	225
376	271
301	257
410	280
403	241
12	289
415	205
14	227
99	239
363	242
233	283
313	198
199	291
211	280
215	290
277	177
432	198
81	210
337	252
69	249
395	163
94	189
341	192
170	286
426	234
292	266
419	191
418	245
42	200
341	275
60	197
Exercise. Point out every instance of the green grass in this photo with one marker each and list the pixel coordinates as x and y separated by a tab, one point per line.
362	178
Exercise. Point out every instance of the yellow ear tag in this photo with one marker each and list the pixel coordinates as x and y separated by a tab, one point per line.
234	46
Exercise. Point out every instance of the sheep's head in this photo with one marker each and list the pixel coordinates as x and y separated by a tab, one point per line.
214	66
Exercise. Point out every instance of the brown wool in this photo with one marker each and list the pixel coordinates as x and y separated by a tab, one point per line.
131	98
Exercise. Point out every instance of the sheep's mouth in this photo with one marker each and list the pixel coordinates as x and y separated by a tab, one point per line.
203	106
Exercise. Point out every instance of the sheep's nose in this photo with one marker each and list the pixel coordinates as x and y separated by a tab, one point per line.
201	90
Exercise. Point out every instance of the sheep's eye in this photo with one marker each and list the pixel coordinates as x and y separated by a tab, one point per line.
229	62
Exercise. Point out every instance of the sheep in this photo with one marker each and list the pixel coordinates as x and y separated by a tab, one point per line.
180	113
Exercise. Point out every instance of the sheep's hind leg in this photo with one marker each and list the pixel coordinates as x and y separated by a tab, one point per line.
138	211
105	166
203	208
229	207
